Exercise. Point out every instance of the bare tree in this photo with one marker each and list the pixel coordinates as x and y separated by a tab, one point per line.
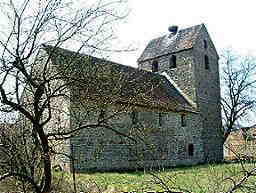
238	89
29	25
238	106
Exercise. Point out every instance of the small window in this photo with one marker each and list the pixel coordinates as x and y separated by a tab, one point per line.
206	62
101	115
172	62
155	66
191	149
134	117
183	120
160	119
205	44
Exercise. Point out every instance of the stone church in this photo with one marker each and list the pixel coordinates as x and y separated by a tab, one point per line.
162	114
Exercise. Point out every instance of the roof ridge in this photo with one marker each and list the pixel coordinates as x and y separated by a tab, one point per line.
184	39
86	55
182	29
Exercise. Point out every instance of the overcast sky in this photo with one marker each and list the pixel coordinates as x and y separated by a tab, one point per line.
230	23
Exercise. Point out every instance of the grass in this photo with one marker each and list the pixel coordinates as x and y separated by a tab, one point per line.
197	179
214	178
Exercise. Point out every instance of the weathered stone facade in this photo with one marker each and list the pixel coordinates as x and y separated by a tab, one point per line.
163	144
201	84
167	140
158	119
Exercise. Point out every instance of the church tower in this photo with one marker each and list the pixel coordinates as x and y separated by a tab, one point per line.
189	58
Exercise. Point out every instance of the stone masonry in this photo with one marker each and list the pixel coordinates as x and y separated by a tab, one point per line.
165	113
171	140
200	84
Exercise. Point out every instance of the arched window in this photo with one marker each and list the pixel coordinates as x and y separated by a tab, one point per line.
205	44
155	66
191	149
206	62
172	62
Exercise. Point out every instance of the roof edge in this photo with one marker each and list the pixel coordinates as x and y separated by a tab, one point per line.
197	28
166	54
179	90
210	38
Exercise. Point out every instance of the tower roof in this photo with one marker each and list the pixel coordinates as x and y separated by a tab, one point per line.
171	43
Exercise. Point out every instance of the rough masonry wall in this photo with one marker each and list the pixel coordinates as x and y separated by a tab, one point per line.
200	85
182	74
155	145
208	96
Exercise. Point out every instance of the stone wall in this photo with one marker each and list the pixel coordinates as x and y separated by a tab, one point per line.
182	75
208	96
156	144
201	85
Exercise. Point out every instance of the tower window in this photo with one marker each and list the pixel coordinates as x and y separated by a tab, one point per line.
155	66
172	62
205	44
206	62
134	117
183	120
191	149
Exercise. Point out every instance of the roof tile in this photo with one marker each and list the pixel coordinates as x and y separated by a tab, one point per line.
184	39
118	83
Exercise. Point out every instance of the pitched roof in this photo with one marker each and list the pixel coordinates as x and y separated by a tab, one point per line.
167	44
242	135
112	82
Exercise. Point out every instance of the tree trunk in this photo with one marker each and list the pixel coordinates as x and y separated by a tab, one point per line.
47	179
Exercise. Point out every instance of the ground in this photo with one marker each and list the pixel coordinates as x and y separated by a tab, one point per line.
197	179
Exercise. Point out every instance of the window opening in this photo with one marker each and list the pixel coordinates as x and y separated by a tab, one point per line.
206	62
191	149
160	117
155	66
205	44
183	120
134	117
101	115
172	62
